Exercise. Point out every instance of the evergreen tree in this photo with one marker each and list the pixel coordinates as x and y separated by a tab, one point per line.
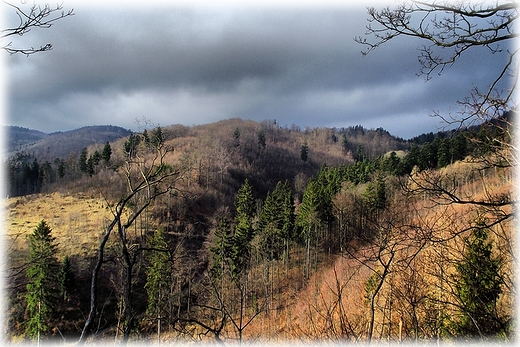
96	158
130	145
478	286
60	169
106	154
83	161
459	147
391	163
375	193
304	153
236	137
344	143
41	275
158	277
276	222
245	208
261	139
221	249
157	139
65	278
443	153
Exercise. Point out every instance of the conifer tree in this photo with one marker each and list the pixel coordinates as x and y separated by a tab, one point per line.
158	277
83	161
304	154
276	221
221	248
65	278
261	139
478	286
107	153
245	208
42	281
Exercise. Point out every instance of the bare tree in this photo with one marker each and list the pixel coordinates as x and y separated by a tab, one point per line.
35	17
449	29
148	176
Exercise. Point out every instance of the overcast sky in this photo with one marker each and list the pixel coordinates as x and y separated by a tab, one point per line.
183	64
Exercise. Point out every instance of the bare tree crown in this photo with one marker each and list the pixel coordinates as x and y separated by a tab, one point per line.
36	16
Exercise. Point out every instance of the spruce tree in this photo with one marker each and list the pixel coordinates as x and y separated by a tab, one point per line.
478	286
276	221
41	282
83	160
304	153
107	153
245	208
65	278
158	277
221	248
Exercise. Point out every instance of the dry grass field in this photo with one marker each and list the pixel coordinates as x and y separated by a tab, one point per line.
77	221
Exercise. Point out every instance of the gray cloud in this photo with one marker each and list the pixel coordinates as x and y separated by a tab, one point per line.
198	65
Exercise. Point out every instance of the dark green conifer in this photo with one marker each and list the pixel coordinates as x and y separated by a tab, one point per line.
41	286
478	286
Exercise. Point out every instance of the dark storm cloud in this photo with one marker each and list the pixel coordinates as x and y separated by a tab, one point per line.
195	65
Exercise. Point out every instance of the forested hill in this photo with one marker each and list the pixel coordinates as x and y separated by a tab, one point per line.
231	149
17	137
47	147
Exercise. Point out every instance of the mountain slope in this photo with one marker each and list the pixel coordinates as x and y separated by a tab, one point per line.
47	147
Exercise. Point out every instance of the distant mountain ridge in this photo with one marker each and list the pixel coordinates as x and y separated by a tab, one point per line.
59	144
19	136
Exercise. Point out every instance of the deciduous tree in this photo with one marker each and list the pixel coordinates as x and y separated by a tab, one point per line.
34	17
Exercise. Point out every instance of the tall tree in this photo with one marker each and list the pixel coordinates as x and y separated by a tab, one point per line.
261	139
41	275
65	278
304	153
107	153
158	278
244	213
147	177
83	161
276	222
478	285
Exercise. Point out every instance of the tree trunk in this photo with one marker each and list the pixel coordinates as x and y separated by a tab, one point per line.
93	285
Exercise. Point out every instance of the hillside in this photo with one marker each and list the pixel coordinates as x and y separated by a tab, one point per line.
18	137
47	147
216	147
247	231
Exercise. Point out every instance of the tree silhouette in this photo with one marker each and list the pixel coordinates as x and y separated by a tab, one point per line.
36	17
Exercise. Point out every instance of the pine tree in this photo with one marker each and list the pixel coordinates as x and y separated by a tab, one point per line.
245	209
157	139
42	282
478	286
158	277
221	248
261	139
276	221
83	161
304	153
65	278
236	137
107	153
443	153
